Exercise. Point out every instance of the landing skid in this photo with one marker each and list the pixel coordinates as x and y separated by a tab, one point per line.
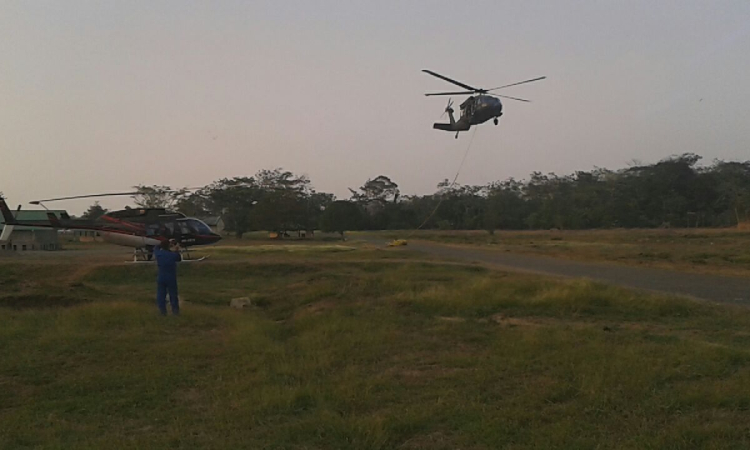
202	258
142	255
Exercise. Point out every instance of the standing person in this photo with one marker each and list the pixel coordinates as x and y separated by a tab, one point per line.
167	256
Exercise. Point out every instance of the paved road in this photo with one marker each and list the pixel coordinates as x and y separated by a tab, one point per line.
708	287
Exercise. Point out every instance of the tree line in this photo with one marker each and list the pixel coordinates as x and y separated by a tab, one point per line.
675	192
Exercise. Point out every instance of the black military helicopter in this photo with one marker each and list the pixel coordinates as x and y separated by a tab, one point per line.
139	228
476	109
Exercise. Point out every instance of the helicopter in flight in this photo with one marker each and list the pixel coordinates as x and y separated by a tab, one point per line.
139	228
477	108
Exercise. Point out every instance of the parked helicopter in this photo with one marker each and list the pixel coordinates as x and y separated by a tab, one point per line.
139	228
475	109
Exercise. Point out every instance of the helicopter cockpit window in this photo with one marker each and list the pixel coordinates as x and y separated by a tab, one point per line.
170	228
184	229
199	227
152	230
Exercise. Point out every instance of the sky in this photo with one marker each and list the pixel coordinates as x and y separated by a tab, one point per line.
99	96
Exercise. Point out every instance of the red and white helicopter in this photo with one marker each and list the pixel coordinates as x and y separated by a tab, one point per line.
139	228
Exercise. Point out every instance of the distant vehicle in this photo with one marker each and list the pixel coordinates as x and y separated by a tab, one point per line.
139	228
475	109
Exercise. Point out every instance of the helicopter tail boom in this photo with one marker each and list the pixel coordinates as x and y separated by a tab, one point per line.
453	126
445	126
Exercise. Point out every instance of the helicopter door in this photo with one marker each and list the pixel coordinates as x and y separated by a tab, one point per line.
170	230
184	228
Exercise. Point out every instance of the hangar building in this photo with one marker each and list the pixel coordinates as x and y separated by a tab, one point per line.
31	238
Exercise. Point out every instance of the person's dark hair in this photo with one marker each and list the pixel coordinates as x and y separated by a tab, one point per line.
164	245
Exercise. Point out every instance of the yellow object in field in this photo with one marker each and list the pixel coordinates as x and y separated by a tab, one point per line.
273	235
397	243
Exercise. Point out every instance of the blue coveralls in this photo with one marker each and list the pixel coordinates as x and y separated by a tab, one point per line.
167	280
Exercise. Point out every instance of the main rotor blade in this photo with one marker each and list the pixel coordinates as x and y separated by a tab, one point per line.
36	202
457	83
111	194
516	84
512	98
452	93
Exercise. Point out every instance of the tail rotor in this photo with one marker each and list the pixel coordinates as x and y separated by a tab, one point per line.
448	108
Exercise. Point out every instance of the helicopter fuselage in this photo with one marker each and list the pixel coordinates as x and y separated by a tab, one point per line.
140	228
481	108
474	111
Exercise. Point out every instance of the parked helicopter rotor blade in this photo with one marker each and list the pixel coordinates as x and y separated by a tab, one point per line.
453	93
111	194
516	84
512	98
457	83
36	202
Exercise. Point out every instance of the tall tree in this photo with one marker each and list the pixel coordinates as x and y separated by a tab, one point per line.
379	190
94	212
282	180
234	199
156	196
341	216
506	208
373	197
281	210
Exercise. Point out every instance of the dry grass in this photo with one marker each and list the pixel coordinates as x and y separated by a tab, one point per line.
362	352
719	251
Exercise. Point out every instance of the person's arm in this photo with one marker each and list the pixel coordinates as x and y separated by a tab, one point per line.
176	249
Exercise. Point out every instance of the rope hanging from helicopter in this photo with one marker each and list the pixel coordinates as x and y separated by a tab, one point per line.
481	99
450	186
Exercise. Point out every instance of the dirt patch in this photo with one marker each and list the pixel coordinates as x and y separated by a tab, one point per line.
32	301
76	278
191	398
514	321
451	319
437	440
427	371
314	308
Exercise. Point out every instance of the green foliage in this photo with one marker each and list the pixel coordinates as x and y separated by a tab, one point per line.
94	212
380	190
274	200
155	196
341	216
674	192
234	199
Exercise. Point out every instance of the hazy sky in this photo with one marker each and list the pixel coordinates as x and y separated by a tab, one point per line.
100	96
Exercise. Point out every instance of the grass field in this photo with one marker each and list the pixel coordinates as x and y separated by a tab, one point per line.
360	349
721	251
